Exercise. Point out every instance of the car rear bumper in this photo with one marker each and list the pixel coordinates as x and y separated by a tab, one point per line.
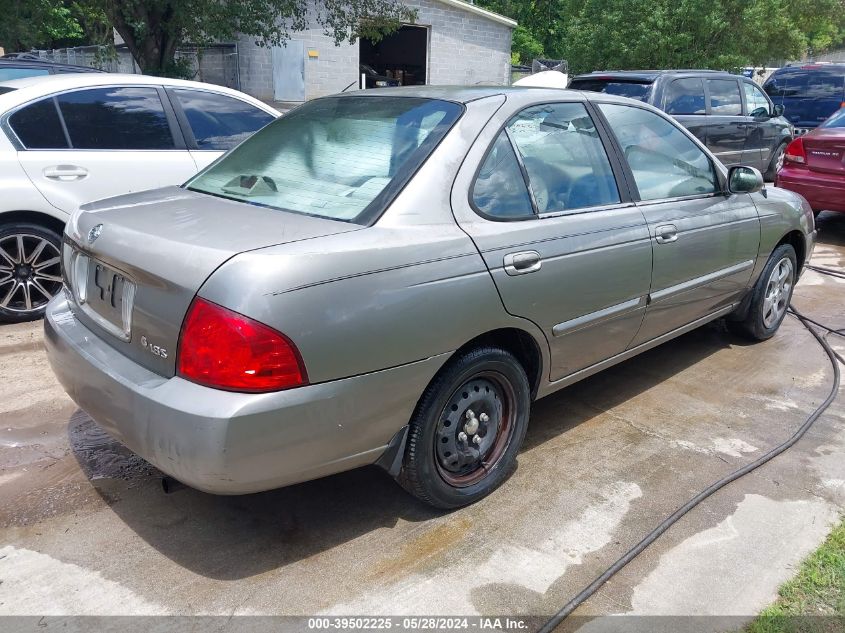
824	192
232	443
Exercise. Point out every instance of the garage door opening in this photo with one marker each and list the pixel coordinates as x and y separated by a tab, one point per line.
400	59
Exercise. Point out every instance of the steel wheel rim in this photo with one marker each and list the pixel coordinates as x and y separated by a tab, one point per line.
778	289
30	272
483	407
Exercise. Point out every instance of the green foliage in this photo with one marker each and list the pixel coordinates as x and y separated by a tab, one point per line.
26	24
817	590
719	34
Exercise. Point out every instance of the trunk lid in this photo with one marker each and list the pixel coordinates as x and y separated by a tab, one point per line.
135	262
825	150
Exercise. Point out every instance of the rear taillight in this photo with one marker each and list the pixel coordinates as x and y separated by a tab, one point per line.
226	350
795	152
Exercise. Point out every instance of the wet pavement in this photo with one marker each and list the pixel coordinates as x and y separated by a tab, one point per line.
86	529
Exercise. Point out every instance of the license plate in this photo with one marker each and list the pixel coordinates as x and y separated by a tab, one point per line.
105	295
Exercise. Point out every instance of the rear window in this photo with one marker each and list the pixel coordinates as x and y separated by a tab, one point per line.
7	74
640	90
38	126
341	158
837	120
811	83
5	89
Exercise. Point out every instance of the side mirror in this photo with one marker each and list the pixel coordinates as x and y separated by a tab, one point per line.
779	110
745	180
760	113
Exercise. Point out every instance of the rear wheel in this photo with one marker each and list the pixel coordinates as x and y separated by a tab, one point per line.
467	429
30	271
770	297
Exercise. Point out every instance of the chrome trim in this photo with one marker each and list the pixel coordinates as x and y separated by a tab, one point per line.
594	318
700	281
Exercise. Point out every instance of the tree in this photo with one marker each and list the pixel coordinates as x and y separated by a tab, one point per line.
153	29
719	34
27	24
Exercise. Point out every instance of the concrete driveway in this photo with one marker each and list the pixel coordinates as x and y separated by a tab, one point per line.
86	529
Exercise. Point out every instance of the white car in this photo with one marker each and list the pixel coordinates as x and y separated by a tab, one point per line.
70	139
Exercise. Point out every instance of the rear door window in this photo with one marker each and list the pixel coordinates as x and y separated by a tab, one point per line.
499	190
116	118
219	122
564	158
685	96
664	161
37	126
724	97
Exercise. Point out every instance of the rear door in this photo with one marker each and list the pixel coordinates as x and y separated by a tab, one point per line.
213	123
727	126
685	100
114	140
705	242
566	247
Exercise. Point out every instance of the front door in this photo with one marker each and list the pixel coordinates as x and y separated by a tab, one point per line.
566	247
705	242
727	126
764	133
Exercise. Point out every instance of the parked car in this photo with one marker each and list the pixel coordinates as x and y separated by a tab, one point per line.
809	93
70	139
728	113
392	276
20	65
814	165
375	80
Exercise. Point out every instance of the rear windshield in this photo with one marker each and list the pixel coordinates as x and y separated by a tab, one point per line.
640	90
812	83
5	89
341	158
837	120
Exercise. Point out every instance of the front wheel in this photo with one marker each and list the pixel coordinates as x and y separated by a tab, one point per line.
770	297
775	163
467	430
30	271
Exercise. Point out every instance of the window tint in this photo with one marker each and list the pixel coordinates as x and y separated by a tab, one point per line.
337	157
665	162
38	126
217	121
685	96
812	83
564	158
499	189
724	97
116	118
837	120
755	99
631	89
7	74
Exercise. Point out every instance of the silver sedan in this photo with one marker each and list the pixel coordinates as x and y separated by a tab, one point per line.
394	277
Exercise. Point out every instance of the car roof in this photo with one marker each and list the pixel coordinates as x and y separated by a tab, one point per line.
459	94
29	62
651	75
30	88
810	66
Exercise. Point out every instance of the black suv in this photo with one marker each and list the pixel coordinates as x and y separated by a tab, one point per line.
19	65
728	113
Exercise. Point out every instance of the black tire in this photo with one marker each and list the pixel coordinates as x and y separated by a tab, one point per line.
427	472
775	163
27	286
764	318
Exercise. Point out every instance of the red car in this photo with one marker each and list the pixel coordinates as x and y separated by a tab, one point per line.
814	165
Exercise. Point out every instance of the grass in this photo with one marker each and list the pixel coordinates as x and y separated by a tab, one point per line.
813	601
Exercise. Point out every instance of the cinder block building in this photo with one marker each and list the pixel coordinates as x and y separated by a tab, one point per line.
451	42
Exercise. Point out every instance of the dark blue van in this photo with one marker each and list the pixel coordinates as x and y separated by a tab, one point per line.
809	93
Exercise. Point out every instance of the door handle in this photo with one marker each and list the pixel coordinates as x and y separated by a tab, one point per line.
65	172
666	234
522	263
